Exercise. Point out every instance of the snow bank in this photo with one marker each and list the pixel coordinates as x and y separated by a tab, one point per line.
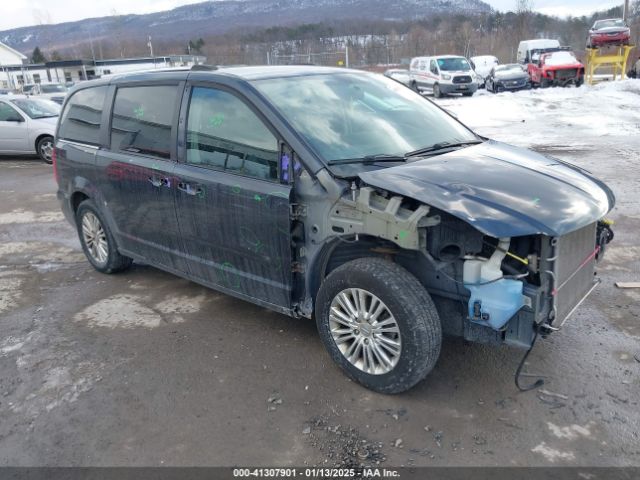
558	116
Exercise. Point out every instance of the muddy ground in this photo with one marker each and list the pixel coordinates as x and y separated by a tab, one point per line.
143	368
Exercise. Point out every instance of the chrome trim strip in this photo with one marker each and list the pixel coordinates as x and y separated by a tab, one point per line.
79	144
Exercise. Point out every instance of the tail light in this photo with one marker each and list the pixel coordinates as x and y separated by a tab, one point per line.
54	162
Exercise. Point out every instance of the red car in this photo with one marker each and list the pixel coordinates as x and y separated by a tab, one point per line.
613	31
559	68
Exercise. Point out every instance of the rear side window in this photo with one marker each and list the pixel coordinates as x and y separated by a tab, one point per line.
142	118
224	133
82	115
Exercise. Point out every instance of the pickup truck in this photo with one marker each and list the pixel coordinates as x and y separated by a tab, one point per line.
555	68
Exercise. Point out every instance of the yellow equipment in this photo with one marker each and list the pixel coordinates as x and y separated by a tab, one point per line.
613	57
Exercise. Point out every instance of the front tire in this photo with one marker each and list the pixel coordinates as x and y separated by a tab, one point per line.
97	242
44	148
436	91
379	324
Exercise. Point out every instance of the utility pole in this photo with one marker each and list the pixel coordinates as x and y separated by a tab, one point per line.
150	45
625	12
93	54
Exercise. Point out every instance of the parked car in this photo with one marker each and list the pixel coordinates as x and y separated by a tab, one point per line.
399	75
27	126
613	31
443	75
482	66
331	194
511	77
51	91
560	68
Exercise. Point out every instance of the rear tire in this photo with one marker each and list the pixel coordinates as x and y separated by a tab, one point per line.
97	242
44	148
409	319
414	87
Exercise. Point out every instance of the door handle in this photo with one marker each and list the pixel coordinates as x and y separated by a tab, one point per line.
196	190
160	181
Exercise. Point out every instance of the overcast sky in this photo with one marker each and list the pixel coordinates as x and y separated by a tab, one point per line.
21	13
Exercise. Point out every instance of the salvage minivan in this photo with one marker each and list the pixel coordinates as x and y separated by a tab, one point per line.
336	195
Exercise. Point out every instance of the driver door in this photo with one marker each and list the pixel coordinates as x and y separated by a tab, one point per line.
233	210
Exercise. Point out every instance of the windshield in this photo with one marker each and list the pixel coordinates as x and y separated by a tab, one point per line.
53	89
453	64
609	24
510	68
351	115
37	108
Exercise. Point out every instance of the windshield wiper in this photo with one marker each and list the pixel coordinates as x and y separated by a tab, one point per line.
382	157
440	146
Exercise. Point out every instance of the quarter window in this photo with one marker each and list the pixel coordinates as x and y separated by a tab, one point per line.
224	133
82	116
142	118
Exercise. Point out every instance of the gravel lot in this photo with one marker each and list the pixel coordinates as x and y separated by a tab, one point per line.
143	368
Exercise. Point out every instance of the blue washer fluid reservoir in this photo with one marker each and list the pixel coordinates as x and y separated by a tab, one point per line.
494	303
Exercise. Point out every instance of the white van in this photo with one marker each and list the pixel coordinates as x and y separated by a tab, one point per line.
526	48
442	75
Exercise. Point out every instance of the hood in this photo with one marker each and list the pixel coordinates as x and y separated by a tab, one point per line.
610	30
47	122
501	190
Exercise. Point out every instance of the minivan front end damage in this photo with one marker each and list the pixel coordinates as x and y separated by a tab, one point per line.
488	289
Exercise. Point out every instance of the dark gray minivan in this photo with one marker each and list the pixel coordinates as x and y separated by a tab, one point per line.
336	195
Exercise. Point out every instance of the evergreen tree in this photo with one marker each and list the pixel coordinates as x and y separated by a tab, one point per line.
37	56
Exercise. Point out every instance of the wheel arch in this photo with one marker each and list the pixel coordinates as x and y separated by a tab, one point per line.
346	248
76	199
39	137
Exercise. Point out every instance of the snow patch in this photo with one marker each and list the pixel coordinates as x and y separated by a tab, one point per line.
42	256
571	432
119	311
552	454
10	290
553	116
130	311
181	304
25	216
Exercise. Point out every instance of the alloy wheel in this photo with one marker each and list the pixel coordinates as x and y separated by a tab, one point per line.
365	331
95	238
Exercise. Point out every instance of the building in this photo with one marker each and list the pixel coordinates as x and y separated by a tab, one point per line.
16	72
9	56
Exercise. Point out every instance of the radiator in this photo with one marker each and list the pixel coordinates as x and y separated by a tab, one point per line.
573	270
